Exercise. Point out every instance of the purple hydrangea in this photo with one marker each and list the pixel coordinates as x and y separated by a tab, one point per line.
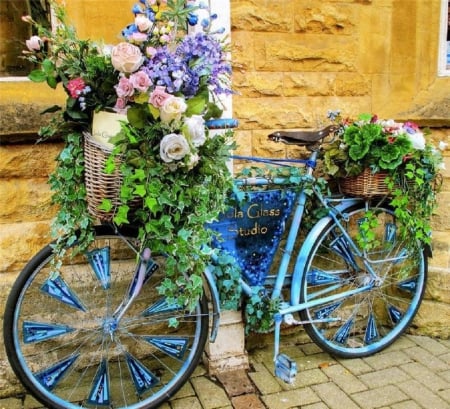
197	61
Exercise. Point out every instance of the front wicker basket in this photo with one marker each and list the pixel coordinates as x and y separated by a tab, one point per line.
366	184
100	185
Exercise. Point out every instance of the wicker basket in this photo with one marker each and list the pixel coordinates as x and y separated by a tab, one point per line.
100	185
366	184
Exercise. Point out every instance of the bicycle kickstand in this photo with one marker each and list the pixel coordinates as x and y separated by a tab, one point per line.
285	367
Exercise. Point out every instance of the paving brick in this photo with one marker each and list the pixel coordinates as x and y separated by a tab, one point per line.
319	405
32	403
333	396
445	358
314	361
426	358
376	398
290	399
264	380
425	376
236	382
409	404
401	343
342	377
186	403
431	345
388	376
308	378
445	394
356	366
211	396
250	401
446	375
422	395
310	349
387	359
185	390
10	403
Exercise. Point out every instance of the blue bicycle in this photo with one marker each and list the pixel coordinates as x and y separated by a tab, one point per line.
98	334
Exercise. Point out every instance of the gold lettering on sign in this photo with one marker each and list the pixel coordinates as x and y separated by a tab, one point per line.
254	211
254	231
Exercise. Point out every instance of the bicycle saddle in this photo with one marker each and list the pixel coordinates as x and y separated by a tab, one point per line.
301	138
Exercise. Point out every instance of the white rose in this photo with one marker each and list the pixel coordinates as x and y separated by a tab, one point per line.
195	130
418	140
172	109
126	57
173	147
143	23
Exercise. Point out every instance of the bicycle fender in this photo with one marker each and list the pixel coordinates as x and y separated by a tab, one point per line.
306	249
215	301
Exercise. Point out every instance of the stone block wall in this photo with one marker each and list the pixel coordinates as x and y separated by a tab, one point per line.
297	59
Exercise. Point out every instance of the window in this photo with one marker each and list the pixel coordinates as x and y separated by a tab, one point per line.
14	32
444	40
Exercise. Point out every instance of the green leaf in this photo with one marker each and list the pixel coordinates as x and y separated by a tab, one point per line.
52	109
152	204
106	205
184	234
140	190
122	215
137	116
195	105
52	81
37	76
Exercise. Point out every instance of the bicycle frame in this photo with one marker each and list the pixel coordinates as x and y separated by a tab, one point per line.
335	212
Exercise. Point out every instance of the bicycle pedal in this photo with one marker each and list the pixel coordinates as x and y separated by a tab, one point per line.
285	368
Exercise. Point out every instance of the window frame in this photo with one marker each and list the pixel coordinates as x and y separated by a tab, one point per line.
24	78
444	45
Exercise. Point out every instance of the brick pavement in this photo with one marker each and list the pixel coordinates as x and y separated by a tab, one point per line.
413	373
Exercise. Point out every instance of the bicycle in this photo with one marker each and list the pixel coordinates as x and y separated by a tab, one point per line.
98	334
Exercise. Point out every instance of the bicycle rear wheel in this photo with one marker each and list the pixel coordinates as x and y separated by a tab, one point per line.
362	323
66	345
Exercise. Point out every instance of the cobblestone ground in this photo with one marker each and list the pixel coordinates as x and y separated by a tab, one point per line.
412	373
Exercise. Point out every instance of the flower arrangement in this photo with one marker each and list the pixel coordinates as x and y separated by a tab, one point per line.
408	163
165	83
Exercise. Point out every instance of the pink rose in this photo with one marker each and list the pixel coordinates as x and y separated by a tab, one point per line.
159	96
138	38
121	105
126	57
34	43
140	81
124	88
75	87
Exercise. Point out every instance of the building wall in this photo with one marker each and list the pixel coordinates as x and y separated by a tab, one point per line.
293	60
296	59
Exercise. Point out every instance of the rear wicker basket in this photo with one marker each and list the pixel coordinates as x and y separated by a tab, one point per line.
366	184
100	185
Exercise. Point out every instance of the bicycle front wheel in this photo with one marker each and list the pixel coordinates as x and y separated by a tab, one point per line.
370	300
75	339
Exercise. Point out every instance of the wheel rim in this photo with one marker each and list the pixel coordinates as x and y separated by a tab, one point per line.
364	323
70	346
